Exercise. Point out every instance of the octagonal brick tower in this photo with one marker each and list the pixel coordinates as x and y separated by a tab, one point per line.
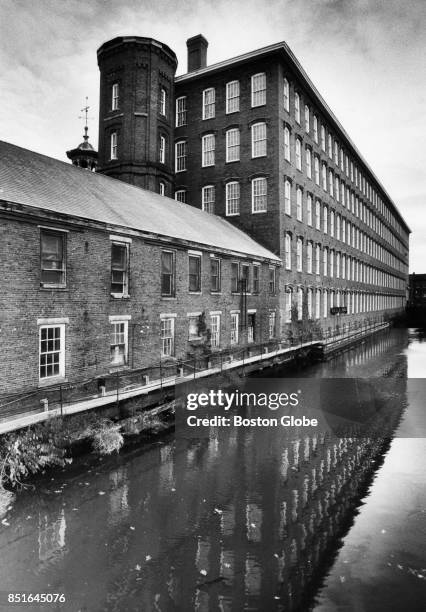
136	112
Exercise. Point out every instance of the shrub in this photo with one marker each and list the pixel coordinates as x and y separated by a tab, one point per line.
106	437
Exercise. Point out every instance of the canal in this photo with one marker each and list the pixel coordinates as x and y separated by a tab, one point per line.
241	518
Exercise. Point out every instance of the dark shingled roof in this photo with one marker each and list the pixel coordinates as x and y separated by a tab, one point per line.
38	181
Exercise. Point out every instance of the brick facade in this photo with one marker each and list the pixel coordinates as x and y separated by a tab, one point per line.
86	304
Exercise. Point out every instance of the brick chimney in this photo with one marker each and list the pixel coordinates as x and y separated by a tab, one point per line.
197	52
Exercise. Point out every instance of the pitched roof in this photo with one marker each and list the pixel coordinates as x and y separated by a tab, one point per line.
41	182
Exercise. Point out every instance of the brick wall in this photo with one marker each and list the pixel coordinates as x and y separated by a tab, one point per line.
87	302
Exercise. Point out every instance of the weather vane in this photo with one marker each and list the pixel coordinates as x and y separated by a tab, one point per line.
85	110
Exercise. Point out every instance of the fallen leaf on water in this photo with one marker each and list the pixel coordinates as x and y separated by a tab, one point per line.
132	528
5	523
148	558
101	493
138	567
204	572
342	579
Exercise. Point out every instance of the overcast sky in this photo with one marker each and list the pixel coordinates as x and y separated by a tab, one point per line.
366	57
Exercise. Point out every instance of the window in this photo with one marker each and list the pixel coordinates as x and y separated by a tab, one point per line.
299	255
317	258
317	215
208	103
286	95
113	148
181	111
115	96
297	107
258	89
287	197
300	303
194	273
233	145
330	183
180	156
330	146
298	154
232	97
298	204
323	138
256	278
309	209
258	140
119	343
317	170
336	153
325	261
52	258
232	198
52	351
271	326
234	276
215	330
162	150
215	276
245	278
324	297
180	195
309	300
208	194
286	143
287	251
162	188
168	273
332	223
208	150
288	304
167	336
325	219
234	327
258	195
317	303
194	322
316	128
331	263
308	163
324	176
251	326
272	280
307	122
309	258
119	269
163	101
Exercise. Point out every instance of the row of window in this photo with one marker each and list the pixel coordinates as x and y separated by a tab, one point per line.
335	263
52	338
259	197
244	276
323	137
352	302
338	226
232	99
319	172
162	99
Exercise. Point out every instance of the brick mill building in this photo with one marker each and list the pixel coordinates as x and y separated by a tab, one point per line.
101	276
251	140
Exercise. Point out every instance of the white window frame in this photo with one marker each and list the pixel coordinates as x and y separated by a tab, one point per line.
180	196
258	139
308	157
299	254
259	195
125	271
297	107
163	102
286	94
298	153
232	145
208	196
208	148
167	325
235	323
287	197
215	330
287	151
272	324
181	111
162	149
307	119
114	321
113	145
299	203
287	251
115	93
232	97
181	155
258	89
232	196
309	210
60	352
209	103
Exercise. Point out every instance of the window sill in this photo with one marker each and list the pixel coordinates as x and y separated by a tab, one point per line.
168	298
47	287
195	292
120	296
232	214
216	292
118	368
51	381
258	212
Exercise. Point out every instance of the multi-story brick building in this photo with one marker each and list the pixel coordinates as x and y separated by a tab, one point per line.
250	139
100	276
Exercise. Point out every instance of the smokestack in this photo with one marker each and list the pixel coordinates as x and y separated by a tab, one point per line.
197	52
